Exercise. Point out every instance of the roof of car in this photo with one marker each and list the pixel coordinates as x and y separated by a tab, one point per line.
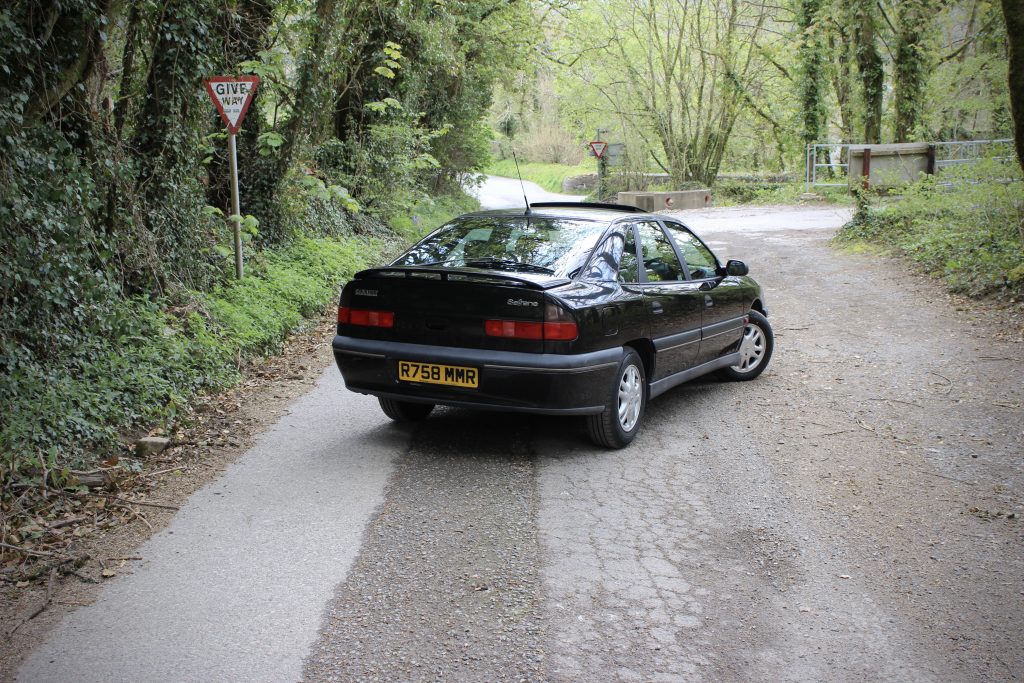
601	212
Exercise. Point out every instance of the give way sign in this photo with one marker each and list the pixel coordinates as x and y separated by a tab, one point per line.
232	96
598	147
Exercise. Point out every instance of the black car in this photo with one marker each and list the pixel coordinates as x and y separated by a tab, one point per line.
565	309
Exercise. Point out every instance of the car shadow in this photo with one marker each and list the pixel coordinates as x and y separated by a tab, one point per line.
466	433
462	433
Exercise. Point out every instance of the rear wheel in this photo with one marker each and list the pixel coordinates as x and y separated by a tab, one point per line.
405	411
755	349
618	425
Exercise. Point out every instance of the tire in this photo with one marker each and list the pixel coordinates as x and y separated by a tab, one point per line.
405	411
756	346
618	425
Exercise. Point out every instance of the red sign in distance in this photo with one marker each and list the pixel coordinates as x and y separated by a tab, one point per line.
232	96
598	147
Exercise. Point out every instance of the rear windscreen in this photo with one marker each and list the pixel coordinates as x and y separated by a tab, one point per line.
557	246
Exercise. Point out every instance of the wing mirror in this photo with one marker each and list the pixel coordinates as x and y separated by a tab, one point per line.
736	268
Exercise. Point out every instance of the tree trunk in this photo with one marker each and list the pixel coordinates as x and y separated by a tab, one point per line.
811	71
872	73
172	87
79	42
167	133
245	33
841	47
311	90
909	67
1013	10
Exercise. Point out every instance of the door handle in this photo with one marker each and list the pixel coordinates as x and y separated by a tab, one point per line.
656	308
708	301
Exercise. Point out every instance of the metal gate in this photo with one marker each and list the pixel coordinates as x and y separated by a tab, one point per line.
827	164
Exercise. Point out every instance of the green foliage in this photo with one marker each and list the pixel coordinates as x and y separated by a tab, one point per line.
255	314
269	67
425	215
268	143
117	297
911	64
811	85
732	191
155	355
392	155
548	176
970	234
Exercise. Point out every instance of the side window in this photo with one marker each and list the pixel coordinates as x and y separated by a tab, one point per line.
615	260
660	261
699	260
628	271
605	265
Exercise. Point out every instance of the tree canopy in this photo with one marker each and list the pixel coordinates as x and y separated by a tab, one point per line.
742	85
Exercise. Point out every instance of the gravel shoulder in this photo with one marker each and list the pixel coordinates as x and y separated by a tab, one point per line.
854	514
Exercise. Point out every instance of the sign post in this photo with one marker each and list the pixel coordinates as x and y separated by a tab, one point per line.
598	147
232	96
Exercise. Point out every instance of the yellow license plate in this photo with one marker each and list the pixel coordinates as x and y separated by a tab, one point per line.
430	373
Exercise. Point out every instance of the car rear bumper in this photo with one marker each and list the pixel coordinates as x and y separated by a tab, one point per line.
522	382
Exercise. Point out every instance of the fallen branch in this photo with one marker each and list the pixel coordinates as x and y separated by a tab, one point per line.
949	388
66	522
139	515
99	470
1005	404
125	501
82	577
37	553
39	610
896	400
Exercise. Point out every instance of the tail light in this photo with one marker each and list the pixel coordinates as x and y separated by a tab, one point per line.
560	331
365	318
558	325
514	329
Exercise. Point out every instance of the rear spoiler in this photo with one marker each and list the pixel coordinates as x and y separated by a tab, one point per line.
541	282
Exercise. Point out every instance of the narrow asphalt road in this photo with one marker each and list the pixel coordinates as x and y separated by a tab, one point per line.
854	514
496	192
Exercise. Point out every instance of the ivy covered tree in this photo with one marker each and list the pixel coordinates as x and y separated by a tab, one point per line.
910	66
1013	11
811	83
869	65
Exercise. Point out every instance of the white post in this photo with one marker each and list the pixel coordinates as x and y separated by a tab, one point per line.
235	209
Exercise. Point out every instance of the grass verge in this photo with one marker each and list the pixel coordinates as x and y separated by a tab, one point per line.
967	230
733	192
548	176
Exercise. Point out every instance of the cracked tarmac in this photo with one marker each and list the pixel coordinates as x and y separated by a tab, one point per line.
854	514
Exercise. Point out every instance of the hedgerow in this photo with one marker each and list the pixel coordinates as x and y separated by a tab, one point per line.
965	227
62	411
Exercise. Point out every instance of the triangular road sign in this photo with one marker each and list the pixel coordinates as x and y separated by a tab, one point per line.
599	148
232	95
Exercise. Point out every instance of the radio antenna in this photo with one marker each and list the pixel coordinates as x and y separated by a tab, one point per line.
521	184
